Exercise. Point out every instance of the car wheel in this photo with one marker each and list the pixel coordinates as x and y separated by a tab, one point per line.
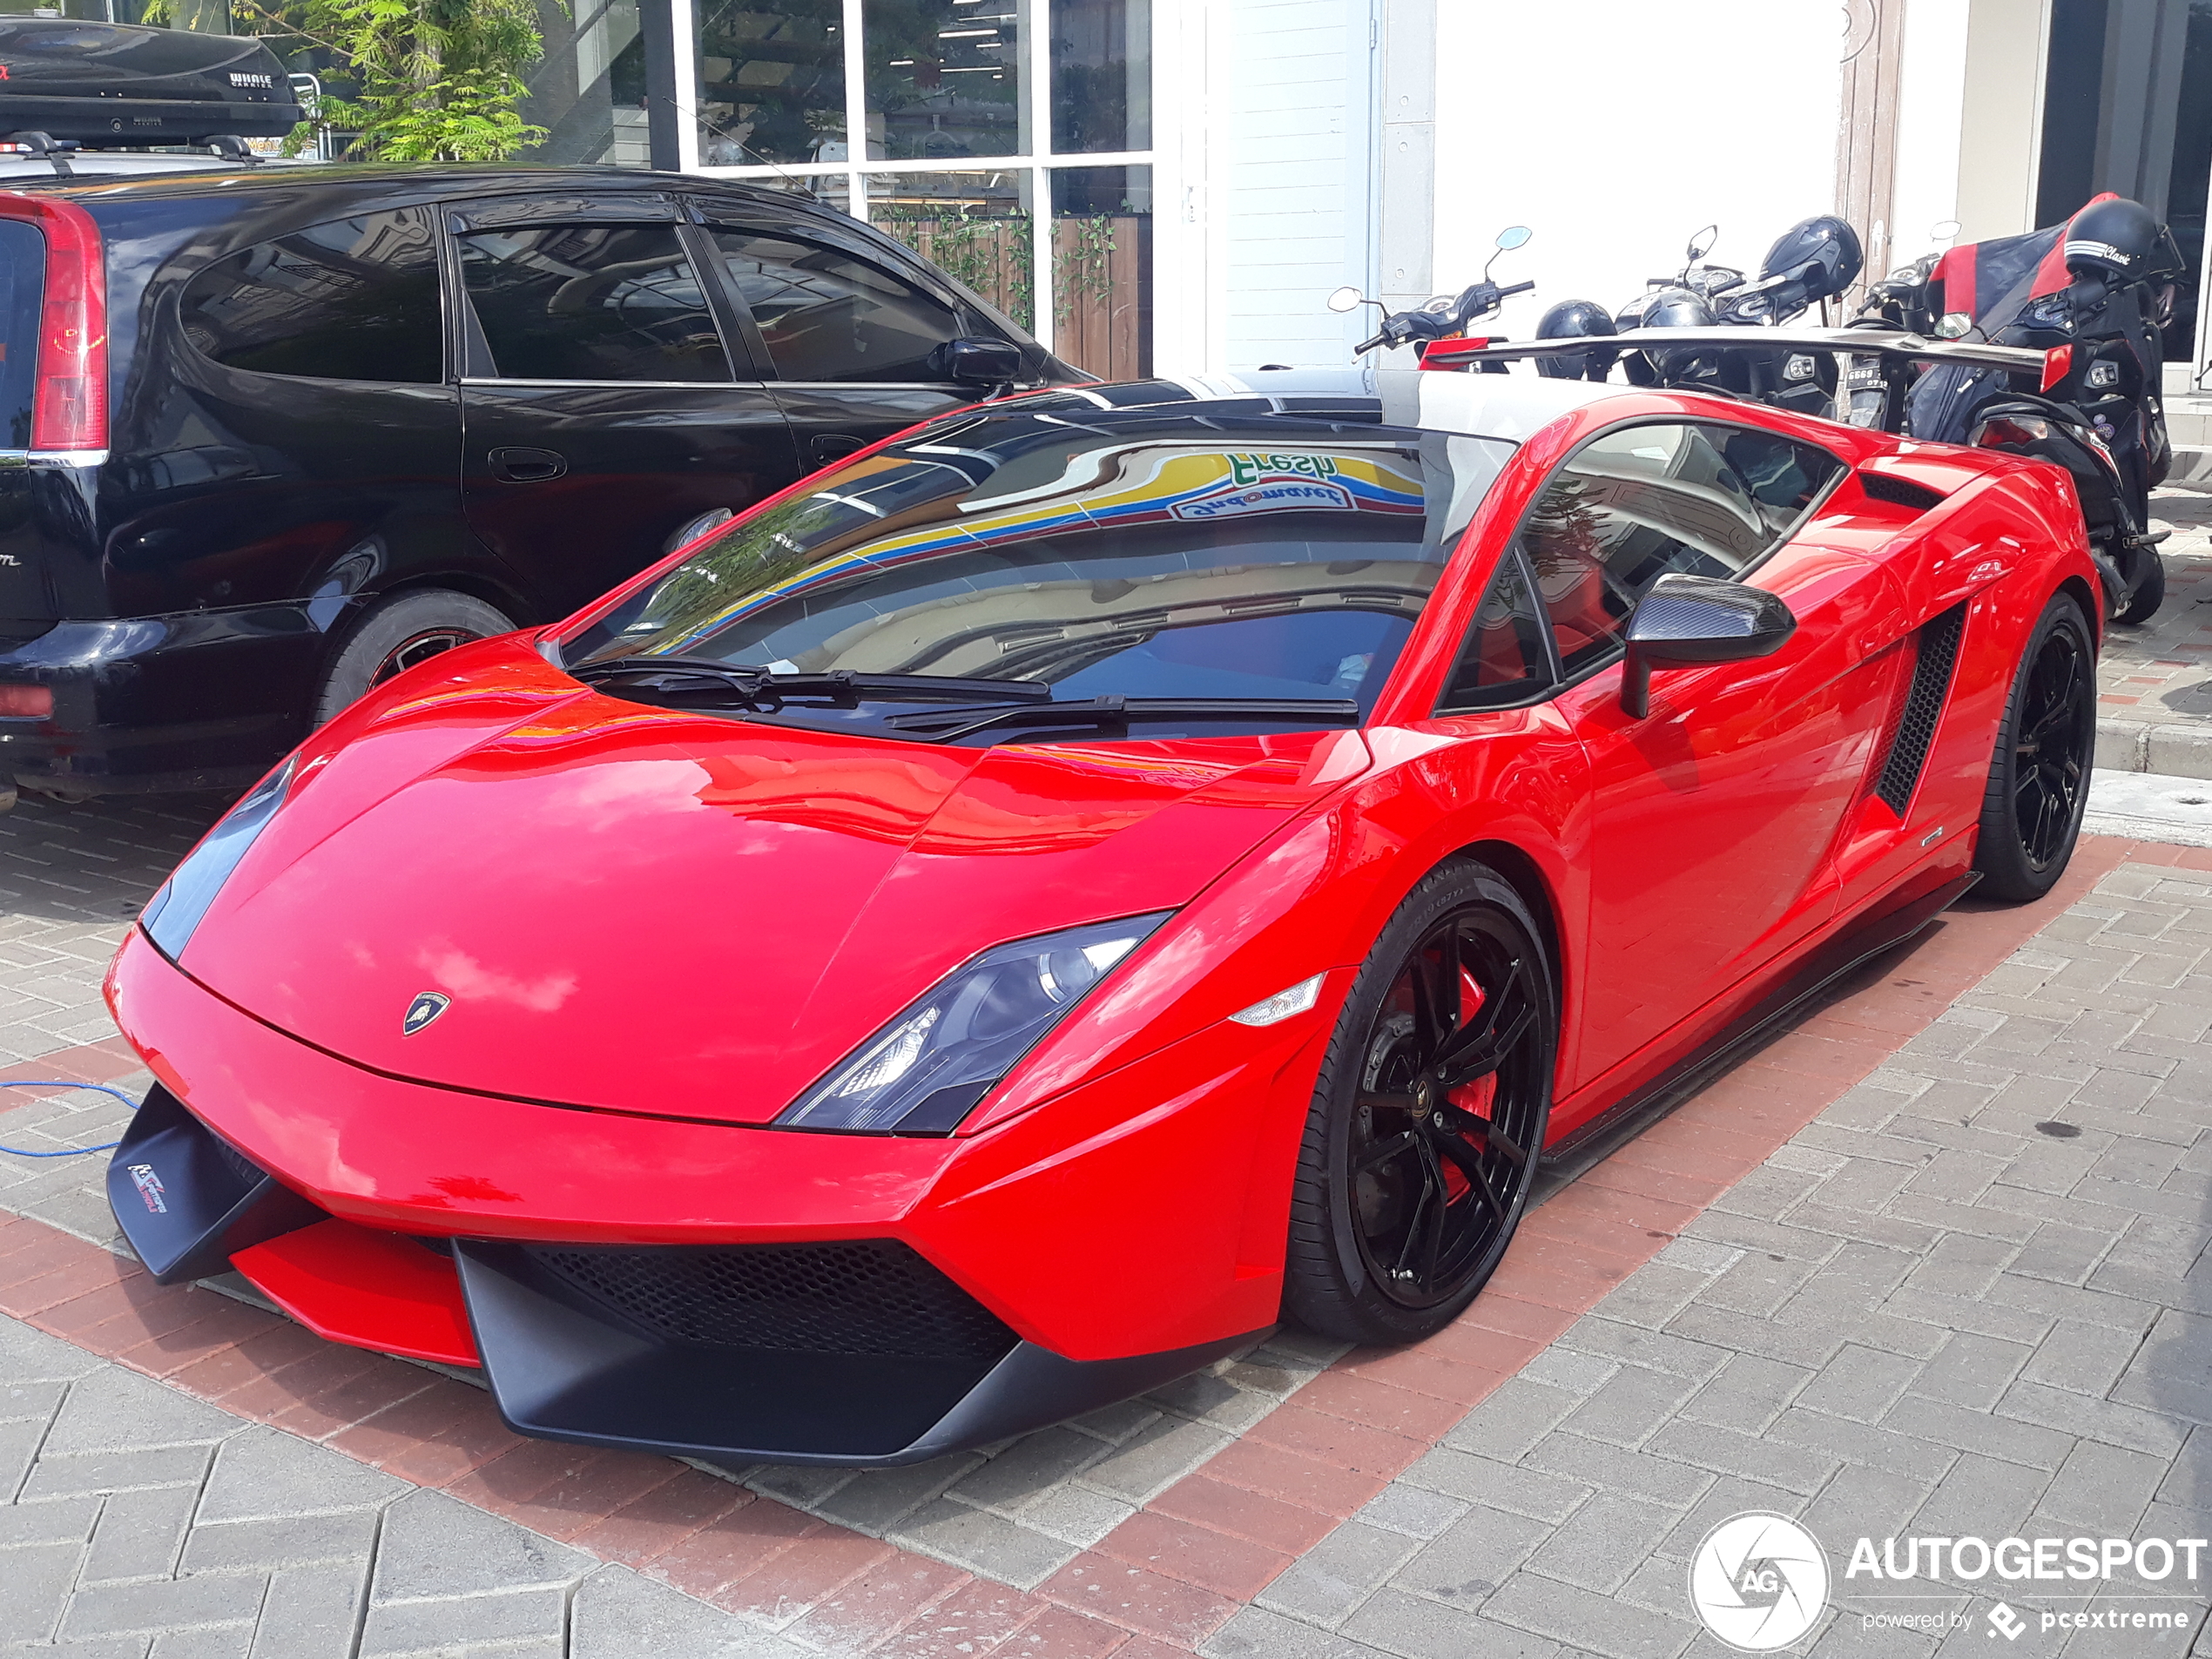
394	634
1428	1118
2143	600
2039	779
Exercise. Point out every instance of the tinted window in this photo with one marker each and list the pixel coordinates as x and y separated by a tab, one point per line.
1135	552
592	302
1503	659
354	300
23	264
828	316
1629	507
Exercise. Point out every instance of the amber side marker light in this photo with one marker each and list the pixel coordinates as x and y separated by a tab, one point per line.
26	702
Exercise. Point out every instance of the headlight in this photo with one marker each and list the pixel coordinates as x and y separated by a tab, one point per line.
925	1070
173	914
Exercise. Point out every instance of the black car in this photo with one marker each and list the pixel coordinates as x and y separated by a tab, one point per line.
277	434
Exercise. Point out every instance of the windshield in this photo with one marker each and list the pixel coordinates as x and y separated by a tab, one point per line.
1190	552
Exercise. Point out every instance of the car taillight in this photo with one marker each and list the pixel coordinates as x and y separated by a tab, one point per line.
26	702
2004	431
68	401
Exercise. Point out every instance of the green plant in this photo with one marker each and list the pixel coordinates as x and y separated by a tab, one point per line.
1082	267
433	80
992	254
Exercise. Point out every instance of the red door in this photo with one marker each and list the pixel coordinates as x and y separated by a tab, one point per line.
1715	816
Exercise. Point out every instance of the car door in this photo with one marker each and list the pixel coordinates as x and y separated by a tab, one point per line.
1716	815
603	409
847	340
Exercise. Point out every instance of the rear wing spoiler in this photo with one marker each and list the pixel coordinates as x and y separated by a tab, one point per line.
2049	365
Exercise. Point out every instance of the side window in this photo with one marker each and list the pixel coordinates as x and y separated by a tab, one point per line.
590	303
354	300
828	316
1503	659
1629	507
1785	476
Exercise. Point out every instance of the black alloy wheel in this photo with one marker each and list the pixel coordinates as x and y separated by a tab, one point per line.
1429	1119
2039	779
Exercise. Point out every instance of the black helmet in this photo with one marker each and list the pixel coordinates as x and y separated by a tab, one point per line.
1822	253
2119	238
1576	319
1675	309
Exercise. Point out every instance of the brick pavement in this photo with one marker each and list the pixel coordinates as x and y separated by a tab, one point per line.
1300	1500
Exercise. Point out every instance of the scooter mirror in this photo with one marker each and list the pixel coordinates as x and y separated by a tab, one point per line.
1347	299
1955	325
1943	230
1702	244
1514	236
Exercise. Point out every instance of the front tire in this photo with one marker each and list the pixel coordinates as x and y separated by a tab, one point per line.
396	633
2147	595
2039	777
1428	1119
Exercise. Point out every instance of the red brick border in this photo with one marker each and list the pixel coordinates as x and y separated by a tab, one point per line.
1176	1570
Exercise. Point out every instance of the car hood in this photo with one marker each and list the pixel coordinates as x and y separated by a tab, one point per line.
651	911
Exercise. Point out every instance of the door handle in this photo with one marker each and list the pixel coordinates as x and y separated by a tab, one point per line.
834	446
523	466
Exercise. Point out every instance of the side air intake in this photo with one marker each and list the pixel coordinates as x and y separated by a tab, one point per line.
1916	730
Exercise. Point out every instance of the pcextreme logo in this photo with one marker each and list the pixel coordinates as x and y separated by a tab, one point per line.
1758	1582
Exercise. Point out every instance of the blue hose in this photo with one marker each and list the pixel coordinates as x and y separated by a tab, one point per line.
68	1151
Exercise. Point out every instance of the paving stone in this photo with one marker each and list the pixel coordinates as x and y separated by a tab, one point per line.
1601	1543
1514	1417
163	1604
113	1409
1858	1383
1330	1581
1407	1508
1661	1480
263	1472
39	1580
982	1542
140	1536
1420	1629
234	1545
1585	1619
437	1547
1970	1370
2105	1487
1465	1563
1463	1476
1255	1633
463	1623
1155	1458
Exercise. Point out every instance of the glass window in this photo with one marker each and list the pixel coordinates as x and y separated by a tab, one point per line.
1097	551
771	81
354	300
828	316
588	92
1630	506
592	302
975	227
1101	76
1102	270
23	257
944	80
1503	659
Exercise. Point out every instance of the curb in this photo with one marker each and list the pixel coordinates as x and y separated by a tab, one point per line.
2191	468
2172	750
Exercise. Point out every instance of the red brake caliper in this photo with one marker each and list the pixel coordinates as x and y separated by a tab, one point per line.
1473	1098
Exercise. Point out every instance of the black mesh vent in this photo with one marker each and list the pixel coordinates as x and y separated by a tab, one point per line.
867	1296
241	1165
1923	708
1898	492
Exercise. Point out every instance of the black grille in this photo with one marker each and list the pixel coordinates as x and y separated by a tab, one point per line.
1923	708
1900	492
241	1165
867	1297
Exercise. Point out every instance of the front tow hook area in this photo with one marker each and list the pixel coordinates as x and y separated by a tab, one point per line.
186	1200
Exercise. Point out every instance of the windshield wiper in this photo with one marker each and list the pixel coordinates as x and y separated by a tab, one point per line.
950	725
754	686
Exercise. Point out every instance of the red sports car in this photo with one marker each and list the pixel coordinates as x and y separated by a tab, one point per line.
1014	917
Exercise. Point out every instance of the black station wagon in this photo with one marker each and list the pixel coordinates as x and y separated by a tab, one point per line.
276	433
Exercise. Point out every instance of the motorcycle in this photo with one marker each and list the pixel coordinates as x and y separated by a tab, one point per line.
1444	317
2095	293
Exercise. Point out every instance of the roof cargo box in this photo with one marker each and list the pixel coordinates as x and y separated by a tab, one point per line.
109	84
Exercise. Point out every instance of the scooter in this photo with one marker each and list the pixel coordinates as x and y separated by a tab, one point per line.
1443	317
2093	294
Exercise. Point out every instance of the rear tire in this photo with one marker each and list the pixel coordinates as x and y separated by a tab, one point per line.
396	633
2039	777
1428	1119
2143	602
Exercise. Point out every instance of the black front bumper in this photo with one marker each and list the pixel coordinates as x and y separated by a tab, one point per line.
842	1352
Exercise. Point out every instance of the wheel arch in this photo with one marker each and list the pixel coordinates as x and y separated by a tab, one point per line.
2092	604
1526	876
503	598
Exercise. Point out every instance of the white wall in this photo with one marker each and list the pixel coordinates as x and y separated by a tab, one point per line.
1614	129
1291	177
